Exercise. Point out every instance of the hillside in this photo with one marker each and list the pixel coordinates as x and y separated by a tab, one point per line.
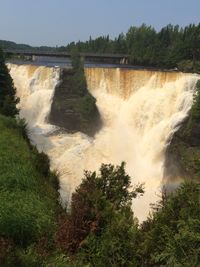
28	197
12	45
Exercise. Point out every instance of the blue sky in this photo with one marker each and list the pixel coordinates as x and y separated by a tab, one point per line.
57	22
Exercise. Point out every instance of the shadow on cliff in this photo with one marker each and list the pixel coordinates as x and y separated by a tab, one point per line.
183	153
73	109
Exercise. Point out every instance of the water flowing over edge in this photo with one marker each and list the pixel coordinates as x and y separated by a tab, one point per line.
140	110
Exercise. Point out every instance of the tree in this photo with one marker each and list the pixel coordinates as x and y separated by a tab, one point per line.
170	47
101	226
172	236
80	84
8	99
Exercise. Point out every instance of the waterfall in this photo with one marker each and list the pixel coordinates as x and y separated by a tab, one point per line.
140	110
35	88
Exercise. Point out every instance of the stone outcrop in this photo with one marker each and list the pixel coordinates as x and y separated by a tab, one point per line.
69	108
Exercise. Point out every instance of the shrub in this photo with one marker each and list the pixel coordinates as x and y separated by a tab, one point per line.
88	105
101	219
25	216
173	233
42	162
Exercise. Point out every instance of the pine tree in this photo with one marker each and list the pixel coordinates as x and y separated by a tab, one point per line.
8	99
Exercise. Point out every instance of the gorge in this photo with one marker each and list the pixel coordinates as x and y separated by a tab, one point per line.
140	111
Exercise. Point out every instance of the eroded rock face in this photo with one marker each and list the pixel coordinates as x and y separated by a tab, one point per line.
194	138
68	107
183	154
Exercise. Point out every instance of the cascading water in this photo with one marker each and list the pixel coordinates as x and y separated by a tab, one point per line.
140	111
35	88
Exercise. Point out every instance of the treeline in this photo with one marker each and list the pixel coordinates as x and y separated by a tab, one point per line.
14	46
172	46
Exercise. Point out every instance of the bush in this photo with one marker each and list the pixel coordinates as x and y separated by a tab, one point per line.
173	233
88	105
28	257
100	226
116	246
42	162
6	252
25	217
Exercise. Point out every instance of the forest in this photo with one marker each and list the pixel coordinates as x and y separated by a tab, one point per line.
171	47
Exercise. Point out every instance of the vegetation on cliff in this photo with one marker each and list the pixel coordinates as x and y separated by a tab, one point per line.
28	198
100	226
183	154
73	107
194	117
171	236
8	99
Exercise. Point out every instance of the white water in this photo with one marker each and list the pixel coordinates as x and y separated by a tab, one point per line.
139	117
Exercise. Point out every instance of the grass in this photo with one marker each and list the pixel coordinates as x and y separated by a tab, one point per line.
28	198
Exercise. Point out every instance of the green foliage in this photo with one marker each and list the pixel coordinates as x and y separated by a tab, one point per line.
115	246
100	225
25	216
42	163
186	65
80	85
195	110
79	80
6	251
171	47
172	235
28	257
75	58
141	44
28	202
12	45
8	99
88	105
60	260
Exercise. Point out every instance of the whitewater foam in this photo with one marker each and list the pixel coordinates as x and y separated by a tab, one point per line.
140	111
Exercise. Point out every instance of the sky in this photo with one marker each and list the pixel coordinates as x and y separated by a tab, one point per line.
58	22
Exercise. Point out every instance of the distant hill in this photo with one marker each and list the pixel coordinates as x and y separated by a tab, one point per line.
12	45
